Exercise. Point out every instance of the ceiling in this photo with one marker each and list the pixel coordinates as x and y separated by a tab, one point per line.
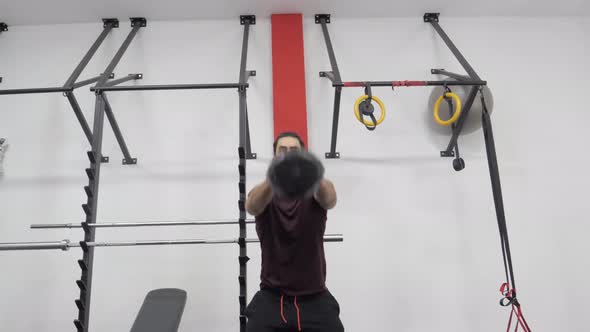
34	12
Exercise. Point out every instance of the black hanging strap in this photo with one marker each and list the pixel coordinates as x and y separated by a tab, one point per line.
497	193
508	288
366	108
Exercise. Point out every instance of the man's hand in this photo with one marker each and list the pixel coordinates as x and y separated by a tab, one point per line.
258	198
326	194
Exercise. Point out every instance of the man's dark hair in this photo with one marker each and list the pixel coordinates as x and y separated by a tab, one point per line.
287	134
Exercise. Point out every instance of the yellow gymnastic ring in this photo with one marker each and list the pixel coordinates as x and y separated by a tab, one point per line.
365	121
457	110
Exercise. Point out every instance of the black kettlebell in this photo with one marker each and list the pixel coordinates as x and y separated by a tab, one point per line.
295	174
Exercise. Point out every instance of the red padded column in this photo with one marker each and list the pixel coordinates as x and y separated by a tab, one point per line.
288	75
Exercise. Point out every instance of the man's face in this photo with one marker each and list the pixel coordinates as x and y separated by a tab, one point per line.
286	144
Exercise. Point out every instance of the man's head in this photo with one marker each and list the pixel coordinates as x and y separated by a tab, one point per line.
287	141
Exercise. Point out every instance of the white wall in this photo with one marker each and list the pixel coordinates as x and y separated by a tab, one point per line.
421	248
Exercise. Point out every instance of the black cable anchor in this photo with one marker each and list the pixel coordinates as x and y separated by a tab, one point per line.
366	108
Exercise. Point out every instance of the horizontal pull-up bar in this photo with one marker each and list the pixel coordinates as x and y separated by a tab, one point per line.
34	90
408	83
70	88
66	244
170	87
142	224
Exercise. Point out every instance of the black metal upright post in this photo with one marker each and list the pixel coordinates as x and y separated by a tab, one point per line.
246	20
335	118
336	79
90	209
249	153
3	27
244	153
243	257
93	173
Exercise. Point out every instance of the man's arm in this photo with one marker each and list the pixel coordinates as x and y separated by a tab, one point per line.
258	198
326	194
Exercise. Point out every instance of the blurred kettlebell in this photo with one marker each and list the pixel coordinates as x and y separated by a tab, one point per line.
295	174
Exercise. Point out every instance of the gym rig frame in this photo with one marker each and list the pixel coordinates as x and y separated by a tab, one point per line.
71	84
95	157
102	108
473	80
244	151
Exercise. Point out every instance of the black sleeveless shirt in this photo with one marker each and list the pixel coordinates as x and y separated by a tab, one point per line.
291	237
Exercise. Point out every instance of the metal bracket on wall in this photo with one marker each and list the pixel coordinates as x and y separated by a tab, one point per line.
113	22
328	74
132	161
330	155
456	76
319	17
251	19
431	17
138	22
447	153
129	77
250	73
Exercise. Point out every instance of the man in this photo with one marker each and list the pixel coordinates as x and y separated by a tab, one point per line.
293	295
